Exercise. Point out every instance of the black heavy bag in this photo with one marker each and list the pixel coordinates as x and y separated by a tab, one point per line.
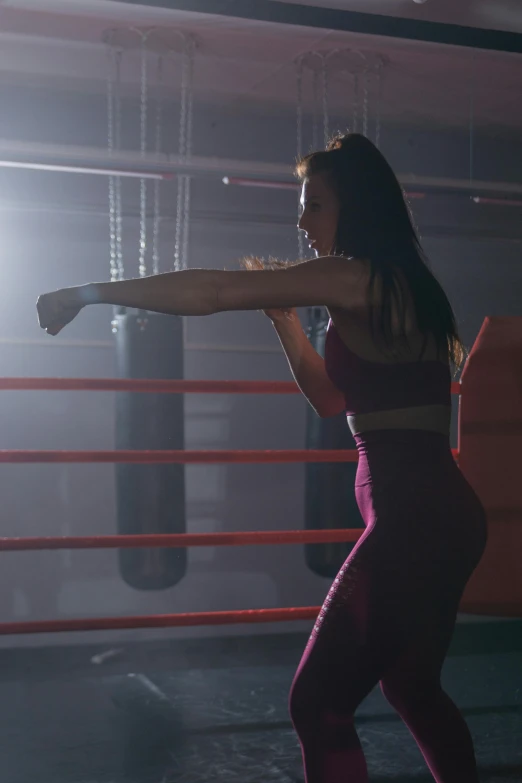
150	498
330	496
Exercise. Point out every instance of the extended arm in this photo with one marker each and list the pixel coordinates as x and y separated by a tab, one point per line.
329	281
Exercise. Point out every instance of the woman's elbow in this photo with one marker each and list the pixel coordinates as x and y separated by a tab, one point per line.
329	411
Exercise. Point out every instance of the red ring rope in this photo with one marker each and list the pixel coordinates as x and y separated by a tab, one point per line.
179	456
251	457
256	538
163	620
156	386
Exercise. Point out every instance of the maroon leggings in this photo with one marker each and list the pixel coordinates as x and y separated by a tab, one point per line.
390	613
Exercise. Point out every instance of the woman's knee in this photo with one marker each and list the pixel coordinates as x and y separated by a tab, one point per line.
316	701
318	716
309	700
301	703
410	693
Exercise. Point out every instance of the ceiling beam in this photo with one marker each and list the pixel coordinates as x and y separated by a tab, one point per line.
348	21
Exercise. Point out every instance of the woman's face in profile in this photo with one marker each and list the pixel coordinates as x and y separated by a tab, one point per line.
320	214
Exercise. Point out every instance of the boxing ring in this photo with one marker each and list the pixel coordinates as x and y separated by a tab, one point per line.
500	340
257	538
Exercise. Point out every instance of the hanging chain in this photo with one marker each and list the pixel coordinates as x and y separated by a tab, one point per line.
182	148
143	150
181	243
159	139
326	118
112	180
185	222
117	124
179	223
299	95
113	144
189	54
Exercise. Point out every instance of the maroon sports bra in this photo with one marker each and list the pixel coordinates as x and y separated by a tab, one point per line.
376	386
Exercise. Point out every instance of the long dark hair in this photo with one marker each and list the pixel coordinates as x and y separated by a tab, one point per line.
375	224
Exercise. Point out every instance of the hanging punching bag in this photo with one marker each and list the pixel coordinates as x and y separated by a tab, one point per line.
329	491
150	498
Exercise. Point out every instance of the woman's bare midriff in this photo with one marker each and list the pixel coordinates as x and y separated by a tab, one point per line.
430	418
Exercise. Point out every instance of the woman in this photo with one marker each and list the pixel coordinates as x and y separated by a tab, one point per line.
391	611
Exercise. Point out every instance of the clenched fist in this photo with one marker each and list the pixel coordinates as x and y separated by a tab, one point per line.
57	309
